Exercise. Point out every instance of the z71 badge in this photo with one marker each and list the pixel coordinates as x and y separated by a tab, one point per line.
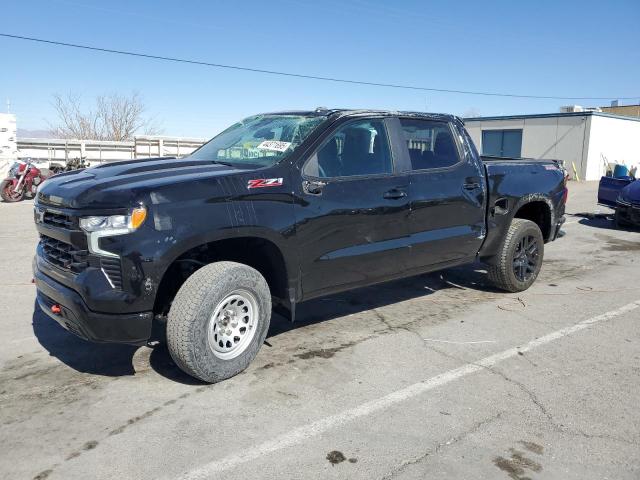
264	182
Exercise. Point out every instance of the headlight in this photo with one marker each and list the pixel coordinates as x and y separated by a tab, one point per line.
115	223
108	226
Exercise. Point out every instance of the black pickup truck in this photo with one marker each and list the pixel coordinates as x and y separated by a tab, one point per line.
278	209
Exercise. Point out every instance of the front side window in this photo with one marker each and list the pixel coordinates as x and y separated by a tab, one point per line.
430	143
357	148
259	141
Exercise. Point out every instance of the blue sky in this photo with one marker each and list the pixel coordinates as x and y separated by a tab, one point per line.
581	48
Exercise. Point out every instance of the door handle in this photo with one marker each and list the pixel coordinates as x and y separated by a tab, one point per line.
313	187
394	194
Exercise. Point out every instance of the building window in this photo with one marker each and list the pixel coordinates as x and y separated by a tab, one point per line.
502	143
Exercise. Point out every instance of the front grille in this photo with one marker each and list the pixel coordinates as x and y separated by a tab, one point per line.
59	220
64	255
112	269
72	255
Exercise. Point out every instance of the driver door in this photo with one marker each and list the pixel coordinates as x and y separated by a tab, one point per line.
351	217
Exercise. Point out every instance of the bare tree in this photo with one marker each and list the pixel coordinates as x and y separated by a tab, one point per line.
114	117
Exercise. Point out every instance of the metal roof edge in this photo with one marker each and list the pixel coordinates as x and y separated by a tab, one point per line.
620	117
549	115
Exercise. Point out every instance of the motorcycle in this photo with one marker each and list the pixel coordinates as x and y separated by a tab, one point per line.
76	164
23	181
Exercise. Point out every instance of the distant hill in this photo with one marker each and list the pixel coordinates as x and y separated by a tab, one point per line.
26	133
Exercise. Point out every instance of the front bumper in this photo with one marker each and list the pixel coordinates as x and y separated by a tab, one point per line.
628	212
75	316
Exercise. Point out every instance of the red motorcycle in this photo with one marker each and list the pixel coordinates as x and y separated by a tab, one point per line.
23	181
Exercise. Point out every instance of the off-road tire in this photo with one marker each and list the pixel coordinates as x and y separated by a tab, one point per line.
9	198
191	311
500	269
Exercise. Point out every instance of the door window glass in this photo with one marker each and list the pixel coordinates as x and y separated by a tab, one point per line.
430	144
357	148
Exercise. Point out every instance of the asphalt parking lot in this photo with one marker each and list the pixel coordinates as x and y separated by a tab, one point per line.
437	376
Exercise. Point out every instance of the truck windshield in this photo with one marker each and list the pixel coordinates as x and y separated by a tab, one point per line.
259	141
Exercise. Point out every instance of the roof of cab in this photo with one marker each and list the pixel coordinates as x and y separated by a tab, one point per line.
345	112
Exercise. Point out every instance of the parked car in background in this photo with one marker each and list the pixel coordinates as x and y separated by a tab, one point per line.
278	209
623	194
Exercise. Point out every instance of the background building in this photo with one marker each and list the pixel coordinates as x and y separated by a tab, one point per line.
623	110
8	144
587	140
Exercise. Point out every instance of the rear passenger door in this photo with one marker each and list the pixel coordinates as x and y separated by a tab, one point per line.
447	194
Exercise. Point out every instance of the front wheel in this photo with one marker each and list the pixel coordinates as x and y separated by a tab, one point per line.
7	193
519	261
218	320
620	223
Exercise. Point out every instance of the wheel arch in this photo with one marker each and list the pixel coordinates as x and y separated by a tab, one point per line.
263	250
537	208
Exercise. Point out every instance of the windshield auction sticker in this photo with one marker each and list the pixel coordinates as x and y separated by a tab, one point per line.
274	146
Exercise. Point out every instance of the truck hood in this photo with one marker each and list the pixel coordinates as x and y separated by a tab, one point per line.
122	184
631	192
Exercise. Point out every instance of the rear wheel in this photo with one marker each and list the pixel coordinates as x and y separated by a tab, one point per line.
218	320
7	193
519	261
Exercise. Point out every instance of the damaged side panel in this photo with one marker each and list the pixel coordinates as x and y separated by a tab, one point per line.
510	191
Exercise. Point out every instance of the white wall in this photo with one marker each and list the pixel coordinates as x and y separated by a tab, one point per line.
158	146
616	139
569	144
105	151
8	148
553	138
60	149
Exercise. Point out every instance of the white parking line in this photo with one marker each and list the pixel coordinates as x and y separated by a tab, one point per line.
314	429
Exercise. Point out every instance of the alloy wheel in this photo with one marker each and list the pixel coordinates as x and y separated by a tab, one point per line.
526	258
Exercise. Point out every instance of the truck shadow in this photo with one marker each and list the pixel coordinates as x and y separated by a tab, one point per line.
118	360
603	221
105	359
110	360
471	277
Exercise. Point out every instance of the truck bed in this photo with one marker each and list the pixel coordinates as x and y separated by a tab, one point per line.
516	160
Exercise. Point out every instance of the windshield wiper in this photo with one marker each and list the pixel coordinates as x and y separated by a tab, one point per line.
228	164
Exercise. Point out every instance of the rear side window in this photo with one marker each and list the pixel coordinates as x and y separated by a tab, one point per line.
357	148
430	144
